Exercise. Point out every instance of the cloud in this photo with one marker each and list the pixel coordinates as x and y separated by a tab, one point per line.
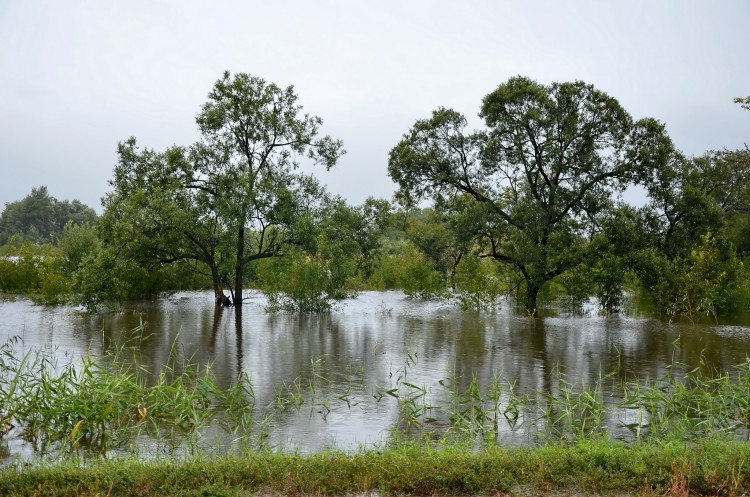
83	75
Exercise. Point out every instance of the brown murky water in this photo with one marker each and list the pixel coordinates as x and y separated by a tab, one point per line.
380	340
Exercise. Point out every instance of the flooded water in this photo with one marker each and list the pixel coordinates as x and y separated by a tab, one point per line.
356	366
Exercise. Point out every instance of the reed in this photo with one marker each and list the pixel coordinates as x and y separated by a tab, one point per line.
104	404
690	406
696	405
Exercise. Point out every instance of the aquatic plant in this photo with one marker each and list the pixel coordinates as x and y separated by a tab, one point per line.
101	404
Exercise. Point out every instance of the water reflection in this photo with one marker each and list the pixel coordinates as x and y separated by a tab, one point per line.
342	364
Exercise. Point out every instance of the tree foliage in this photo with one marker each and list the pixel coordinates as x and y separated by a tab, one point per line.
686	241
744	102
690	197
234	197
536	184
342	243
437	235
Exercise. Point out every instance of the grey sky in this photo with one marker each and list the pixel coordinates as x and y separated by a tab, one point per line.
76	77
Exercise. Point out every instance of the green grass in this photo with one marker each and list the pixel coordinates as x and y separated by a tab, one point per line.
602	467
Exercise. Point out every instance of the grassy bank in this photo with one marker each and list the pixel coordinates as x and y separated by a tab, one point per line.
592	467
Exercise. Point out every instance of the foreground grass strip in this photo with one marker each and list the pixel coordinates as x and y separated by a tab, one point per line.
707	468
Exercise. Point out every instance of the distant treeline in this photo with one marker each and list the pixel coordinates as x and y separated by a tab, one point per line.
39	217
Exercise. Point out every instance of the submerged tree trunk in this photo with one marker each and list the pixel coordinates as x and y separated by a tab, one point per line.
530	297
239	269
219	297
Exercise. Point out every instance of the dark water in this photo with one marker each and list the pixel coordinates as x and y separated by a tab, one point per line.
372	344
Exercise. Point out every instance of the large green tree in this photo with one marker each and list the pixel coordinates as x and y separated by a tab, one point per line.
233	197
539	180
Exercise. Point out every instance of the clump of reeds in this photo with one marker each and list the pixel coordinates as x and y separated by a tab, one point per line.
691	406
695	405
105	403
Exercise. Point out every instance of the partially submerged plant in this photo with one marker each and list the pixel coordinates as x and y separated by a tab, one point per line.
102	405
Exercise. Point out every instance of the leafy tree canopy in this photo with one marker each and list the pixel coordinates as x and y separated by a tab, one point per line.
539	180
234	197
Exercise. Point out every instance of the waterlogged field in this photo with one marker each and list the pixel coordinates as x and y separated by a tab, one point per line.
178	376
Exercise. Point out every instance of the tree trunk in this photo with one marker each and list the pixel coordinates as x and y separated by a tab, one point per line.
220	298
239	268
454	268
529	299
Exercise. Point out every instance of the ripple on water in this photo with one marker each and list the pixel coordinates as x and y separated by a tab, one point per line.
726	331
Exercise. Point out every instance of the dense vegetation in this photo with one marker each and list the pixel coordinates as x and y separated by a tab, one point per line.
588	468
528	206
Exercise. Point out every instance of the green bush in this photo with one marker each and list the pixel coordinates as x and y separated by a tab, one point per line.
408	270
11	280
75	243
711	280
19	274
54	285
299	283
103	278
478	284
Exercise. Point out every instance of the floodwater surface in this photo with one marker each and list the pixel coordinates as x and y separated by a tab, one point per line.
360	366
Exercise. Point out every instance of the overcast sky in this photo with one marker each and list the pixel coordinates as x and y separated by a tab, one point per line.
77	77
